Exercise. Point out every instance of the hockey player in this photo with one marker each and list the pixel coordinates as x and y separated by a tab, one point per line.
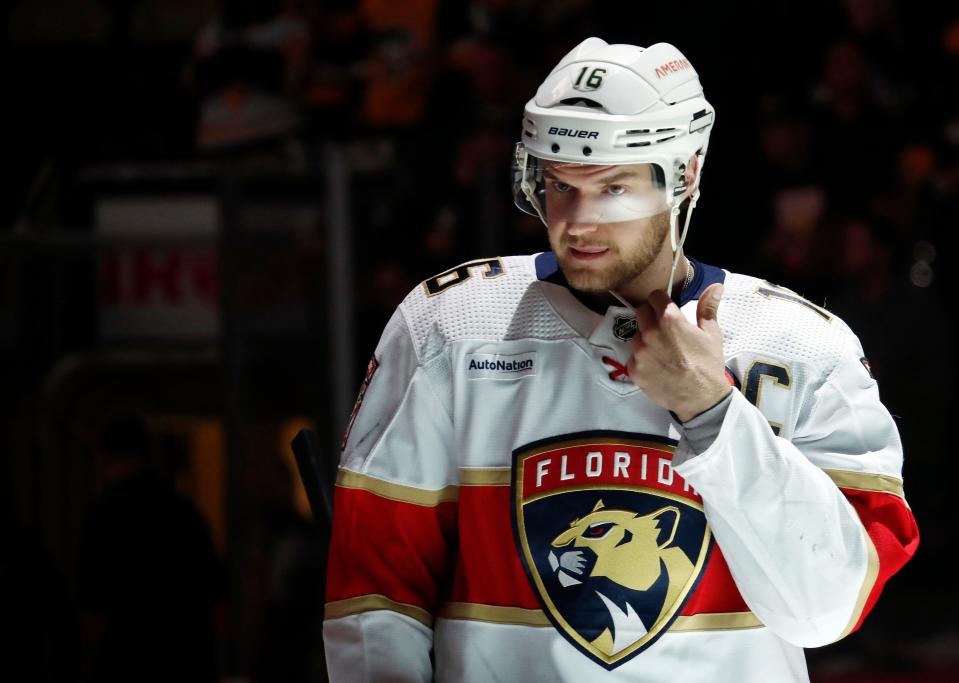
610	461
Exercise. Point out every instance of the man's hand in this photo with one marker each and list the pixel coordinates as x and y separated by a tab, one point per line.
679	365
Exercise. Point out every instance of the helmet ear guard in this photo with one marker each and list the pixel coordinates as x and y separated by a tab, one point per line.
679	179
526	179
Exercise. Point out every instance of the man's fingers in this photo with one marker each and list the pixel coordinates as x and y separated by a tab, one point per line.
645	318
708	307
659	300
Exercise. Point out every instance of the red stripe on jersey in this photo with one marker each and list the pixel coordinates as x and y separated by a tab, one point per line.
388	547
892	528
488	569
717	591
402	550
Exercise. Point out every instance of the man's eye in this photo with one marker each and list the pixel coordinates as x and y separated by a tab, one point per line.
561	187
616	190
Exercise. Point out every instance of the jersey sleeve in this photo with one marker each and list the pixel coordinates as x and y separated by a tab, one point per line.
393	520
812	527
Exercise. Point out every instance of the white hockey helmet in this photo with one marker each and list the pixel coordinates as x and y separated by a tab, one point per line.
611	105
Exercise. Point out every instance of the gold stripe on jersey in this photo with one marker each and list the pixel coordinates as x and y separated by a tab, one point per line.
872	573
375	602
486	476
866	481
494	614
719	621
399	492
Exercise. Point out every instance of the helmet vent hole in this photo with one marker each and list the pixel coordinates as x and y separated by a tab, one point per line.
638	144
581	102
638	131
664	130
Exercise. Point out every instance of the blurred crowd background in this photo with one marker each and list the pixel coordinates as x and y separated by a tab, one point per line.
210	209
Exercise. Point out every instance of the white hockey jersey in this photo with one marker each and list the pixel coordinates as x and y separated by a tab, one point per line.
511	507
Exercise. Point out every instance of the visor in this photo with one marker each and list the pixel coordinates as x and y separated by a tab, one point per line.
583	193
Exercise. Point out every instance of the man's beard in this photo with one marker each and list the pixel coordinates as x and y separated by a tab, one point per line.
626	266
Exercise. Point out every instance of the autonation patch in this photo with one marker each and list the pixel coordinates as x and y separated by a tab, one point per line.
496	366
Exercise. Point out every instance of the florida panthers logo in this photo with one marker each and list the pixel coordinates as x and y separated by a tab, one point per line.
613	541
630	559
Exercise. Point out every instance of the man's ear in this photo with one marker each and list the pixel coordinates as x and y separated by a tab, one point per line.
692	170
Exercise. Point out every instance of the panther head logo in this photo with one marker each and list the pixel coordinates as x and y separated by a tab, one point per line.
627	557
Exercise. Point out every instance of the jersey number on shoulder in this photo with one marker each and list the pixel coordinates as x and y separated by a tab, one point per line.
758	373
492	267
777	292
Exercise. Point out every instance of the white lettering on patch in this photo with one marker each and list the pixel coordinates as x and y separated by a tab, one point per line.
495	366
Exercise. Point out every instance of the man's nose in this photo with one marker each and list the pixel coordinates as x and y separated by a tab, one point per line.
583	217
581	227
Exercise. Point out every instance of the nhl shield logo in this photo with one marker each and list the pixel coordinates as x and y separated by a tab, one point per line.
612	540
624	327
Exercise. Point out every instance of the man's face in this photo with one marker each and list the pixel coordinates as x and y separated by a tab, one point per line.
598	244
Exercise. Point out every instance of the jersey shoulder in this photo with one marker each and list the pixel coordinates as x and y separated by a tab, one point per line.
488	299
759	317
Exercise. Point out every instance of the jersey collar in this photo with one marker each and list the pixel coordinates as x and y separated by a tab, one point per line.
548	270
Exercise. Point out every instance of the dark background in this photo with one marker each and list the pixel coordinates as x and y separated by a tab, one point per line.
211	209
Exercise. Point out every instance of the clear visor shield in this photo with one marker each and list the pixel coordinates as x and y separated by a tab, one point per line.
585	193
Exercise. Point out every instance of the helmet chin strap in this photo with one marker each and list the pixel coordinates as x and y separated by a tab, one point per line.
676	239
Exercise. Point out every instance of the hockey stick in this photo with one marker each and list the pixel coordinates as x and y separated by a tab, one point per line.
316	480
